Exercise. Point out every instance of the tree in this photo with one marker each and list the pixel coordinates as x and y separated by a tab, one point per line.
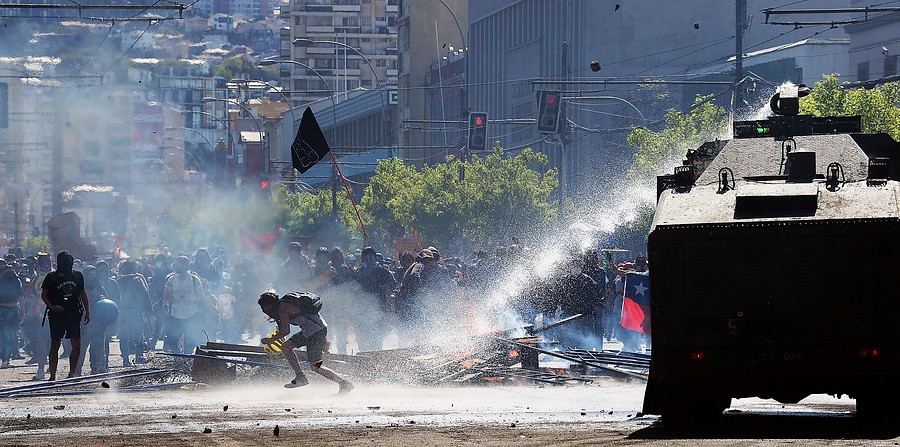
307	214
497	197
657	151
240	67
878	107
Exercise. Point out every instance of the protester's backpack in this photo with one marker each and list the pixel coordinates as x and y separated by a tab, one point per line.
306	302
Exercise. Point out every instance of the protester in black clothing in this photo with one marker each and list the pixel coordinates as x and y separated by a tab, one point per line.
377	283
63	293
93	336
134	305
11	299
157	284
295	272
205	269
342	272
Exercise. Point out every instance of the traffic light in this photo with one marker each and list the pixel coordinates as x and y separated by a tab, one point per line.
264	183
477	131
4	105
549	108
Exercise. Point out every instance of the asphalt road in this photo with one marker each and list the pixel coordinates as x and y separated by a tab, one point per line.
604	412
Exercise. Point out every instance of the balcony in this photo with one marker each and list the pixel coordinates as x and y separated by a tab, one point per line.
391	72
320	49
391	8
320	29
348	71
347	8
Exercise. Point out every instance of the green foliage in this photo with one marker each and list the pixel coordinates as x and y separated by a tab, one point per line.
307	214
240	67
657	150
498	197
32	245
176	67
878	107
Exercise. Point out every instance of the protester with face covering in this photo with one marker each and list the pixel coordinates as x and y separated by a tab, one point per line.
93	336
11	298
157	284
134	305
205	269
63	293
296	271
376	283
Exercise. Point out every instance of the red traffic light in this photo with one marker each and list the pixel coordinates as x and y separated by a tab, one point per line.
551	99
263	185
479	121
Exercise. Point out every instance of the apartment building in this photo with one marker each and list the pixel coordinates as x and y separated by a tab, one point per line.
367	26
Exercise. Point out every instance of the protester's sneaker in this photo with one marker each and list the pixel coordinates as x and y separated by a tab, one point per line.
31	361
5	364
345	388
299	380
39	376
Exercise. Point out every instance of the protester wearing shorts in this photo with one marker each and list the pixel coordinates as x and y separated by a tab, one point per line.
313	332
63	292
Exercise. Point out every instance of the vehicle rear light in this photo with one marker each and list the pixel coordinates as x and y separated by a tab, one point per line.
697	356
874	352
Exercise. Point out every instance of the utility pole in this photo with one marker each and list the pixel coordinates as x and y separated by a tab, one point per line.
740	13
563	183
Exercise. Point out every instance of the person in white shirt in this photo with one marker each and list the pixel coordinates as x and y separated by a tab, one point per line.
187	303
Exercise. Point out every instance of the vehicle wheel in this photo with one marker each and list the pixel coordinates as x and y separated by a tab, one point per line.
875	406
694	410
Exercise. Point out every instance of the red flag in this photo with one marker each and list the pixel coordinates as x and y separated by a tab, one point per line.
262	243
636	303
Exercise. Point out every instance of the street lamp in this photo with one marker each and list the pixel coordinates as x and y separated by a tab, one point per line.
286	99
310	43
172	129
249	112
334	187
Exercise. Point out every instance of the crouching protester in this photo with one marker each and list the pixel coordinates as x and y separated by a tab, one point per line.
301	309
63	292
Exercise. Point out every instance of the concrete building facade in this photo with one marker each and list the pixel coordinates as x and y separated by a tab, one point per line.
513	42
428	31
370	26
874	46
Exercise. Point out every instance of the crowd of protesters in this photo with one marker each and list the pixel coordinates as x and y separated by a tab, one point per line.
180	301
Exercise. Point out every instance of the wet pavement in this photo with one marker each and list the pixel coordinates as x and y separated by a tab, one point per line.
606	411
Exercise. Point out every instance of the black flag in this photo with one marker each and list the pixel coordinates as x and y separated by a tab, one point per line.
309	145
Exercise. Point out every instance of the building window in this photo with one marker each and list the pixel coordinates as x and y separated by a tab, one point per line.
862	71
323	63
380	63
365	21
890	66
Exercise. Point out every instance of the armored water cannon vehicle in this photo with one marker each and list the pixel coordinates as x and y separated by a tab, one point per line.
774	261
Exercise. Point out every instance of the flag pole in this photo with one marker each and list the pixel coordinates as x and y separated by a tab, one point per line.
350	195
